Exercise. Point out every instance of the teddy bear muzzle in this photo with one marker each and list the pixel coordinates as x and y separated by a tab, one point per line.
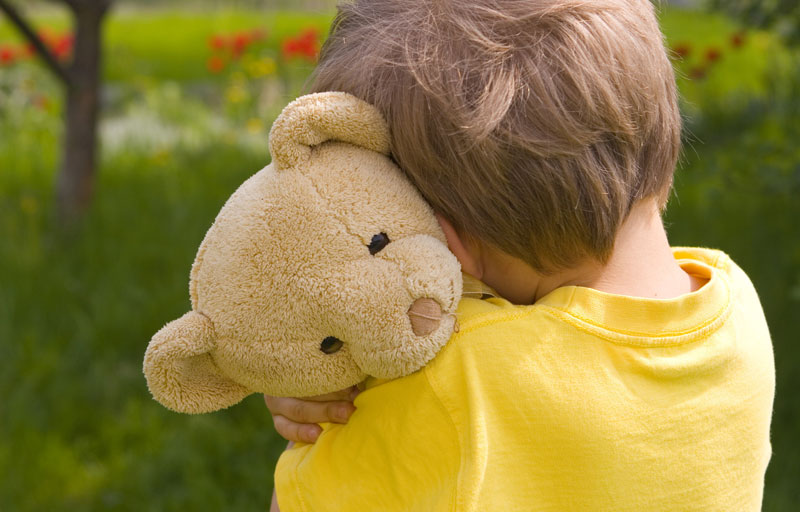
425	315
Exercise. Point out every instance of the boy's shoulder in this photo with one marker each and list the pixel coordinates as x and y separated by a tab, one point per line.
582	376
572	313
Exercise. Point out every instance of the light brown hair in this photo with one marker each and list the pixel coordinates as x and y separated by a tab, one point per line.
533	125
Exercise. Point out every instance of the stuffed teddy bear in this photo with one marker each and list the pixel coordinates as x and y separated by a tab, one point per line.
323	268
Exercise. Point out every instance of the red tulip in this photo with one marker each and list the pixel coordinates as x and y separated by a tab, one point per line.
258	34
713	54
217	42
682	50
305	45
62	46
215	64
7	55
697	73
737	39
42	102
240	43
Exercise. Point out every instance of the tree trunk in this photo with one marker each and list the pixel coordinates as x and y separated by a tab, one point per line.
75	181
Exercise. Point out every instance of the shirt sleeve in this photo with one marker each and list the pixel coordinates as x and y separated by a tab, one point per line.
399	451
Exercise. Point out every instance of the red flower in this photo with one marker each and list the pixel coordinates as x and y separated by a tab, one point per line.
42	102
682	50
217	42
62	46
240	43
226	47
737	39
304	45
258	34
697	73
215	64
713	54
7	55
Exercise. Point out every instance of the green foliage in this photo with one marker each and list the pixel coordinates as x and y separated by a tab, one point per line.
783	16
720	64
75	315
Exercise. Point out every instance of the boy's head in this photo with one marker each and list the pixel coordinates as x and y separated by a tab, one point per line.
532	125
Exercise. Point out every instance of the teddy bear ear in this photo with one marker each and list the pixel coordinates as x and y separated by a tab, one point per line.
180	371
315	118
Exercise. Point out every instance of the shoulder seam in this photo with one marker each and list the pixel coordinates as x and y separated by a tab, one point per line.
666	339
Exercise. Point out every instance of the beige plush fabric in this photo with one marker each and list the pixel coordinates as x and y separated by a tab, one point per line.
324	267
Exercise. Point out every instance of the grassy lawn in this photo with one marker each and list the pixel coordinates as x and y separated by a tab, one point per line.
75	315
76	312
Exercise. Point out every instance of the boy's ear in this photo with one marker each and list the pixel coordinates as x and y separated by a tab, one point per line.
467	254
315	118
181	373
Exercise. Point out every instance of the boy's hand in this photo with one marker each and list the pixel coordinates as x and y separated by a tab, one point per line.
296	419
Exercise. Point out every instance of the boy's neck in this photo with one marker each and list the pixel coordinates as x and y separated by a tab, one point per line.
641	265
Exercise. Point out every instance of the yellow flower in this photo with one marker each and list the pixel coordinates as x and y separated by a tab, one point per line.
160	157
236	93
255	125
29	204
261	67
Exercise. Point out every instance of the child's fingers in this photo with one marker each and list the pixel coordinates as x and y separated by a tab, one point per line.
296	419
306	411
296	432
344	394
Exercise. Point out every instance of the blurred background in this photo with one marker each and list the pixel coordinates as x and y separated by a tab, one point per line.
96	247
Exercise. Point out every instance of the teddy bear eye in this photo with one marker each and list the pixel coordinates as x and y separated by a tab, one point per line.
377	243
331	345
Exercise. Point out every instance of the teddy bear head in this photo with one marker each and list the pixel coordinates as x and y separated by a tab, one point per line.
323	268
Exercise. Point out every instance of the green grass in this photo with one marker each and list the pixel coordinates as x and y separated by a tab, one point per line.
76	311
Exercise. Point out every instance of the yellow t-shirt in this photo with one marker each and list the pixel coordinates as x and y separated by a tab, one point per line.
582	401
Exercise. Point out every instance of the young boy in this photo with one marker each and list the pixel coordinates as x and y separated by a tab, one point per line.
615	373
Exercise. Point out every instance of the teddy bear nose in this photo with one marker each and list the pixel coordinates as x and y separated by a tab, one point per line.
425	315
